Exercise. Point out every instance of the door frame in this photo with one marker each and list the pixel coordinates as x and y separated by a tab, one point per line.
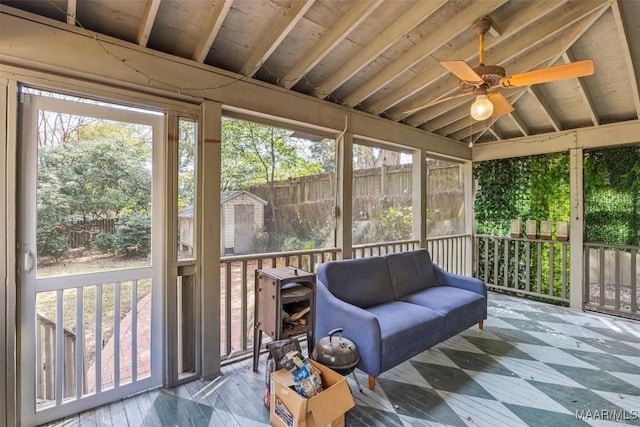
29	106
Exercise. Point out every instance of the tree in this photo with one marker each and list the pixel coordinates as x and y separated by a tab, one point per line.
101	169
255	154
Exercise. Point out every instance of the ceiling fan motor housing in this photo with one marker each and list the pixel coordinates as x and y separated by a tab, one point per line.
491	75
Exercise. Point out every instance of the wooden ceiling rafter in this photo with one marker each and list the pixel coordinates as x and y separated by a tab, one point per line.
634	75
546	108
72	11
349	21
148	19
387	37
584	92
566	42
554	51
278	31
469	53
423	48
214	23
552	27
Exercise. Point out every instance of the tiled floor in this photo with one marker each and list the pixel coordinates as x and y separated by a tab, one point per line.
534	364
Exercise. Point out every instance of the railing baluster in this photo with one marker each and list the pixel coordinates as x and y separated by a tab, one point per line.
516	262
59	346
227	307
551	260
496	260
79	343
116	336
506	263
243	305
134	331
527	274
602	276
617	279
98	364
564	271
539	269
634	282
586	286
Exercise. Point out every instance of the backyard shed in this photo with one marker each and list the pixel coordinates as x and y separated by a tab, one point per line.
242	216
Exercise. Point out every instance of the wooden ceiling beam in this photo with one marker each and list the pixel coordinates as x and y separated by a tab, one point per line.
560	46
349	21
520	124
538	58
502	50
214	23
547	109
72	12
469	53
623	36
584	92
387	37
425	47
279	30
149	17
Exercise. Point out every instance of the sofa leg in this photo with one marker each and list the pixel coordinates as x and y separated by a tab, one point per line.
372	382
481	324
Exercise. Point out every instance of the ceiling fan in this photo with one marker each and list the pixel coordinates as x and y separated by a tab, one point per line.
484	80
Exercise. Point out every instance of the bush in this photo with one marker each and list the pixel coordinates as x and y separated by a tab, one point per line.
133	235
105	242
52	241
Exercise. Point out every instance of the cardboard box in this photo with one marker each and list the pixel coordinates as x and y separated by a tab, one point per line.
290	409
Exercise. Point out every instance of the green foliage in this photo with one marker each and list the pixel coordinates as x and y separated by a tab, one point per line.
133	235
535	187
105	242
254	154
612	196
52	241
396	223
90	179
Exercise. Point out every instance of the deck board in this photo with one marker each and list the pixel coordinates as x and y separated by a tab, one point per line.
512	373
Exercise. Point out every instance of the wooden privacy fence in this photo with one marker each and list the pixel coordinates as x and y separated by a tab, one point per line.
82	233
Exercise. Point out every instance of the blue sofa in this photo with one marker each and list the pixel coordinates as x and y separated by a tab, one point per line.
395	306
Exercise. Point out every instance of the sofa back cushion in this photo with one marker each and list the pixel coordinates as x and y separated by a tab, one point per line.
410	272
363	282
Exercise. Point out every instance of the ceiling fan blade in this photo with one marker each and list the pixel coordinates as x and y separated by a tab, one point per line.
436	102
566	71
463	71
500	104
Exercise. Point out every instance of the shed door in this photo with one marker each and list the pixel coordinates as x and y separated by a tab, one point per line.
243	227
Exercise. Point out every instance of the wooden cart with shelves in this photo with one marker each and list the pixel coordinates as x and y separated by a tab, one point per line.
284	306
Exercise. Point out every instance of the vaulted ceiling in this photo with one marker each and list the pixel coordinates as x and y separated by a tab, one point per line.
383	57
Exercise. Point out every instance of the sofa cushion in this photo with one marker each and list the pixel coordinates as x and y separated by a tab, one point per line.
363	282
460	308
406	329
410	272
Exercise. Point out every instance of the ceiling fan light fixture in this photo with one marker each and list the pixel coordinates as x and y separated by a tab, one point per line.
482	108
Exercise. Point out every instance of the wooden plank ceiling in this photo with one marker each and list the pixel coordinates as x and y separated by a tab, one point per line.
383	56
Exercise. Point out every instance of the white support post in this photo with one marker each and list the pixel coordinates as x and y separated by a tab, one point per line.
170	273
8	288
208	209
469	219
419	197
576	231
344	200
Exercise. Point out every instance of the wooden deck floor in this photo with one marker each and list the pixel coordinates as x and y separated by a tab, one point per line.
533	364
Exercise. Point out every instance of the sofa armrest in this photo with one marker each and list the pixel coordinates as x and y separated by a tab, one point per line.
463	282
359	326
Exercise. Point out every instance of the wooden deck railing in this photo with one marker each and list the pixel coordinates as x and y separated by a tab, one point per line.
237	279
46	360
531	267
611	276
